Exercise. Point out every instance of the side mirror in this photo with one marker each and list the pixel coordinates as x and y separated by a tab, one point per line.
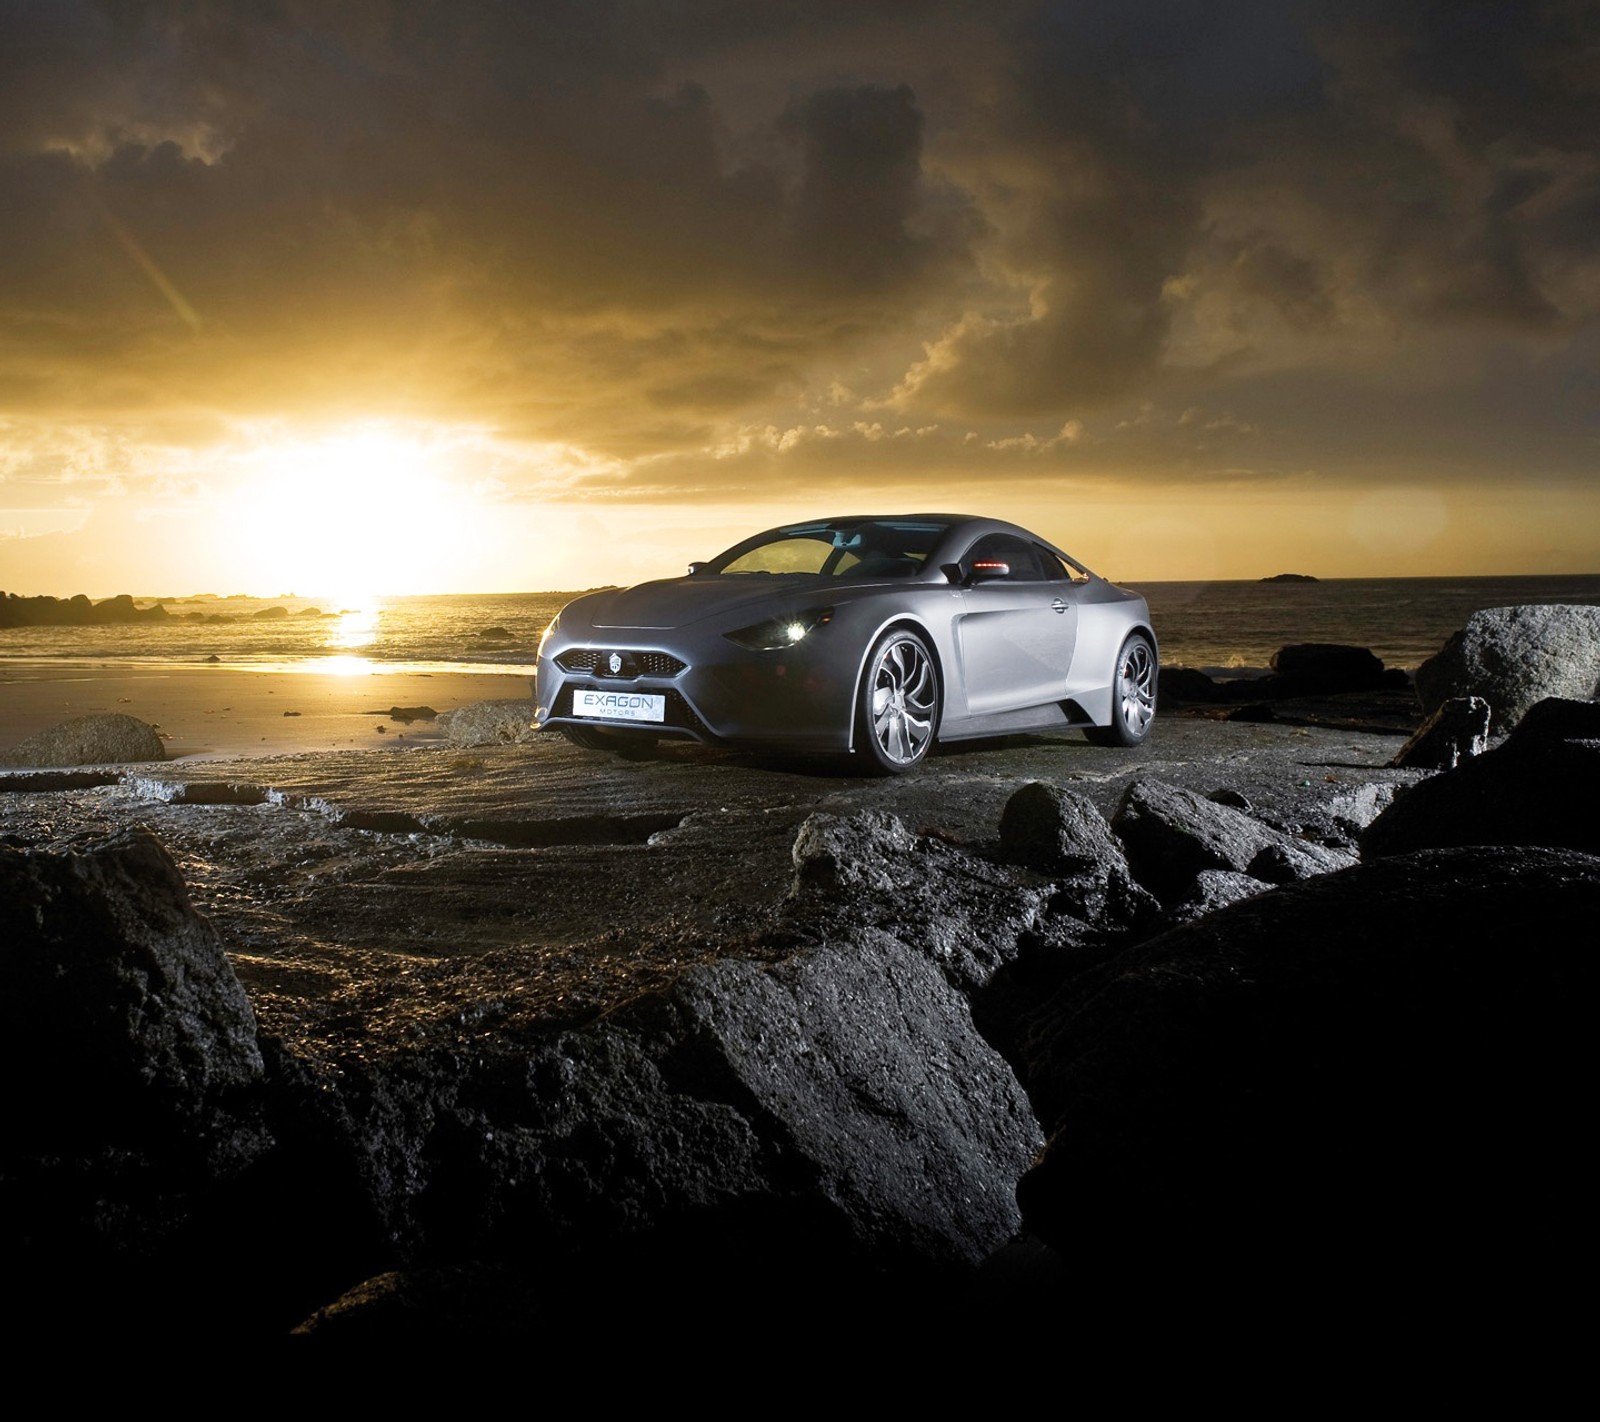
986	568
696	568
953	573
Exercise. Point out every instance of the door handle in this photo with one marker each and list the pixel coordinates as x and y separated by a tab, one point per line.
1058	606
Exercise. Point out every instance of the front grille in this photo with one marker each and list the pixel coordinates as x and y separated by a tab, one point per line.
596	661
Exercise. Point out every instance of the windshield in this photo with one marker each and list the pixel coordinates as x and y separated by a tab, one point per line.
863	548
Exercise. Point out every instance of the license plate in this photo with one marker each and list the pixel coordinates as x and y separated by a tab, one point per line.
619	705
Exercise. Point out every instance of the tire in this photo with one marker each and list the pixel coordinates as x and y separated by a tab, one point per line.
587	737
1133	706
623	742
897	711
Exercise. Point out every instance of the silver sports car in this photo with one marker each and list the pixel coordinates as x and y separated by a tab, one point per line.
877	636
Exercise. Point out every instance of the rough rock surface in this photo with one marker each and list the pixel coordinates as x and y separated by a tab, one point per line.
109	738
1172	835
1060	832
1458	730
514	1001
1515	656
863	852
117	996
487	723
1538	786
1214	889
135	1077
836	1106
1369	1066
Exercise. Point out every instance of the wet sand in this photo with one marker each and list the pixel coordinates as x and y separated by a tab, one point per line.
206	712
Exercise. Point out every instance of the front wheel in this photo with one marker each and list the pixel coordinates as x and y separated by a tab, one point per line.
586	737
1133	705
623	742
898	710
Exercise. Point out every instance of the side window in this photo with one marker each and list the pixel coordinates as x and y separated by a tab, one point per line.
1057	569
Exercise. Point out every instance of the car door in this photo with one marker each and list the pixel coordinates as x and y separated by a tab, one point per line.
1018	627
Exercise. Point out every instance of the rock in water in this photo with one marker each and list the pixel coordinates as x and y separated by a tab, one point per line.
1515	656
1321	668
108	739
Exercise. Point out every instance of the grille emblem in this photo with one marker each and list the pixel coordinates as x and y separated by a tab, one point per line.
614	662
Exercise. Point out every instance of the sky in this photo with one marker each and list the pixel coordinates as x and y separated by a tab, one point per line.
449	295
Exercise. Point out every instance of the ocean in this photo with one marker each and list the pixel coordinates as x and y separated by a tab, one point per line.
1231	628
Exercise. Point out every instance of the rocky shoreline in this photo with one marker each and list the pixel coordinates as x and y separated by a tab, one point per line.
459	1041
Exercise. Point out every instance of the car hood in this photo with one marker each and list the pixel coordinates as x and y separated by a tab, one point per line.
677	602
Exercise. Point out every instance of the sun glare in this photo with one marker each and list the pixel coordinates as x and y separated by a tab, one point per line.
349	516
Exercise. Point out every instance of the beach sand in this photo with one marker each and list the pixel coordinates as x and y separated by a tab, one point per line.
209	712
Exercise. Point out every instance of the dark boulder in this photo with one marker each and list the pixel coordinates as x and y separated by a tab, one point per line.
963	911
1458	730
1380	1070
135	1106
1058	831
108	738
1184	684
118	1001
1172	835
1538	786
831	1113
1061	833
1324	668
1514	657
1214	889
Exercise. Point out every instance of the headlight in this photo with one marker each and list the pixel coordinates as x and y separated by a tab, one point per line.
779	632
549	632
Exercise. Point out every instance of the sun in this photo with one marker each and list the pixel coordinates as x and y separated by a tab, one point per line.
351	515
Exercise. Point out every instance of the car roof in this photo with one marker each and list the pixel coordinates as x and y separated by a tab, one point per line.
968	524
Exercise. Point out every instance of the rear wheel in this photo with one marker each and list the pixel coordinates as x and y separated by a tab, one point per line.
1133	704
898	711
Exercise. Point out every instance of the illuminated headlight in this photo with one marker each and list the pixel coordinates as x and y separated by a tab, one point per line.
780	632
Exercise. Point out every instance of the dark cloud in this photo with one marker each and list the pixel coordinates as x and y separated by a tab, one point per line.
632	227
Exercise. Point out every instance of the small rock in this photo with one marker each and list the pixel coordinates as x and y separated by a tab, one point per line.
1458	729
837	853
111	738
486	723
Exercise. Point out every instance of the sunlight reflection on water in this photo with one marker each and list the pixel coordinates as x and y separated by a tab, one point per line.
356	627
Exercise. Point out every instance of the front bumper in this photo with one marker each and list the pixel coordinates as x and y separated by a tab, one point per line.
799	696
